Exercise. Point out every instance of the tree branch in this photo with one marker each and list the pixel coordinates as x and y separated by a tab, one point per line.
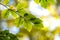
12	10
4	5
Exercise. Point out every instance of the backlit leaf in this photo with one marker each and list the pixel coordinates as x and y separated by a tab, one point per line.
14	14
21	5
37	1
21	12
19	22
28	25
5	13
6	2
45	3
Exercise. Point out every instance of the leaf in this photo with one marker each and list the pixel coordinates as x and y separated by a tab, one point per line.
37	23
37	1
5	35
26	14
21	12
45	3
22	5
28	26
51	1
36	20
5	13
6	31
29	16
38	26
19	22
14	14
6	2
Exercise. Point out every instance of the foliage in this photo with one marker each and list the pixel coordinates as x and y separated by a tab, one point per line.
45	3
6	2
5	35
21	16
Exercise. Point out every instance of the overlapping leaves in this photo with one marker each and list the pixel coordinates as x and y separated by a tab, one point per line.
25	19
29	21
7	12
5	35
22	5
35	22
45	3
19	22
22	17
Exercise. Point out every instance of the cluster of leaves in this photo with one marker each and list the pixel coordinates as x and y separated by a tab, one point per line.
26	19
22	17
45	3
5	1
5	35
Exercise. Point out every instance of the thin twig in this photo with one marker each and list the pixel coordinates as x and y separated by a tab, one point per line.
4	5
12	10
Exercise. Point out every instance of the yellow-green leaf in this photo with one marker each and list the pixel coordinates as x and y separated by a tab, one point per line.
45	3
37	1
14	14
6	1
22	12
21	5
19	22
28	25
5	13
